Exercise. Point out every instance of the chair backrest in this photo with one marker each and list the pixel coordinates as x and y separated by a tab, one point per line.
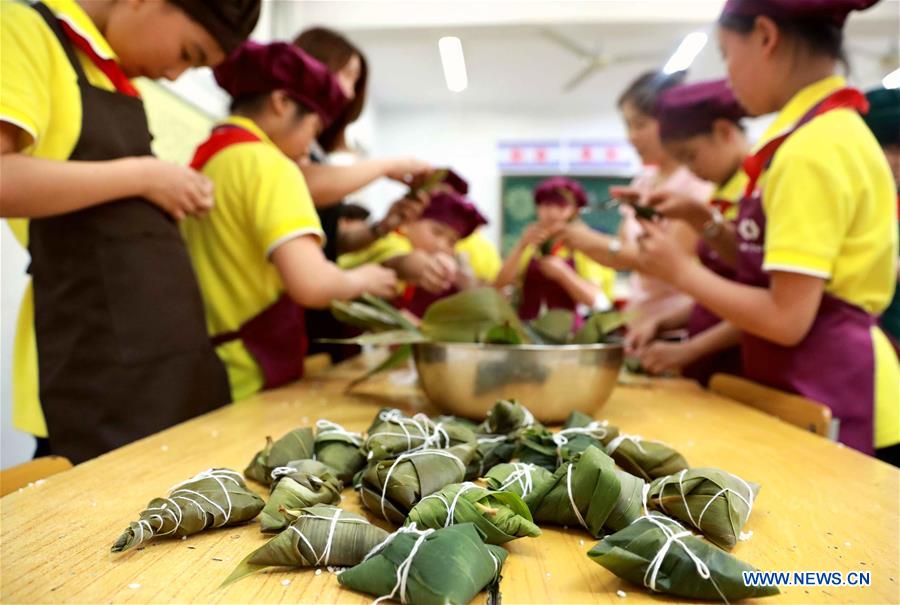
791	408
19	476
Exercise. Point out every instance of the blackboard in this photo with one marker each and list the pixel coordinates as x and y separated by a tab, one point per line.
518	212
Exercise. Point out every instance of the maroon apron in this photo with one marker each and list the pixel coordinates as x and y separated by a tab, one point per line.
701	319
121	337
835	363
540	292
276	336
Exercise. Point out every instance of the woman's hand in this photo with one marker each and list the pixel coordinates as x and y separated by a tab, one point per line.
406	170
660	357
376	280
439	273
660	255
672	204
640	333
178	190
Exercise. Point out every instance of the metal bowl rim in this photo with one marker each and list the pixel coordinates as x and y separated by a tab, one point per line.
525	347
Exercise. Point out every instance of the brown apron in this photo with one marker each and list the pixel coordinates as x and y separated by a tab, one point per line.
122	346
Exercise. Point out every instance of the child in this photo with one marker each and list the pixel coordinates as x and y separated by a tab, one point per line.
481	255
448	219
556	278
699	125
817	239
258	255
117	329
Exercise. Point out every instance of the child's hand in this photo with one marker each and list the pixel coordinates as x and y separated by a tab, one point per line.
554	267
178	190
406	170
535	235
660	357
678	205
376	280
440	272
640	333
659	254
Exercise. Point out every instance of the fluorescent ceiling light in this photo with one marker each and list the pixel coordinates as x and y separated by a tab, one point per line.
892	80
687	51
454	63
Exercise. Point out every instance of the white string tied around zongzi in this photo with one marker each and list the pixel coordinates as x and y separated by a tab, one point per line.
748	501
521	475
406	565
451	506
673	537
216	475
594	429
615	443
175	512
333	521
324	427
430	434
407	456
572	498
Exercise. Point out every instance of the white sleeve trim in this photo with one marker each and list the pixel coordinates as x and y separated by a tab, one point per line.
22	125
293	235
769	267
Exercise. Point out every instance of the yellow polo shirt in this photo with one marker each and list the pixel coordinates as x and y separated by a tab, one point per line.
600	275
39	94
261	202
390	246
830	205
482	256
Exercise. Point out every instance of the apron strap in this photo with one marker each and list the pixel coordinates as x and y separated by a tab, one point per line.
222	136
844	98
54	24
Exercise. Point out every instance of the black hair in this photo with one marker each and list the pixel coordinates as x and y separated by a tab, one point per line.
353	212
253	104
644	91
821	37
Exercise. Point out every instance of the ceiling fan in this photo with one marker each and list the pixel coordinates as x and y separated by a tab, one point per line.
594	61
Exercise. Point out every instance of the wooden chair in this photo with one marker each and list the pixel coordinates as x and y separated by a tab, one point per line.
793	409
15	477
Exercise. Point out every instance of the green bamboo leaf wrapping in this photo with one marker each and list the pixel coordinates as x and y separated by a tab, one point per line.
599	326
387	308
366	316
518	478
319	536
390	488
385	338
393	433
501	335
507	417
630	503
654	552
536	445
214	498
300	484
467	316
583	493
580	432
499	516
554	326
716	503
644	458
447	566
490	451
339	449
296	445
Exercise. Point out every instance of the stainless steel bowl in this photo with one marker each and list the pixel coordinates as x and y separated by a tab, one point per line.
552	381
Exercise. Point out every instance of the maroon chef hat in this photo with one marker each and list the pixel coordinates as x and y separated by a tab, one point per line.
228	21
691	109
454	181
833	11
455	211
260	68
560	190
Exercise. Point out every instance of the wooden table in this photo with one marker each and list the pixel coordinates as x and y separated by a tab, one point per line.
822	507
